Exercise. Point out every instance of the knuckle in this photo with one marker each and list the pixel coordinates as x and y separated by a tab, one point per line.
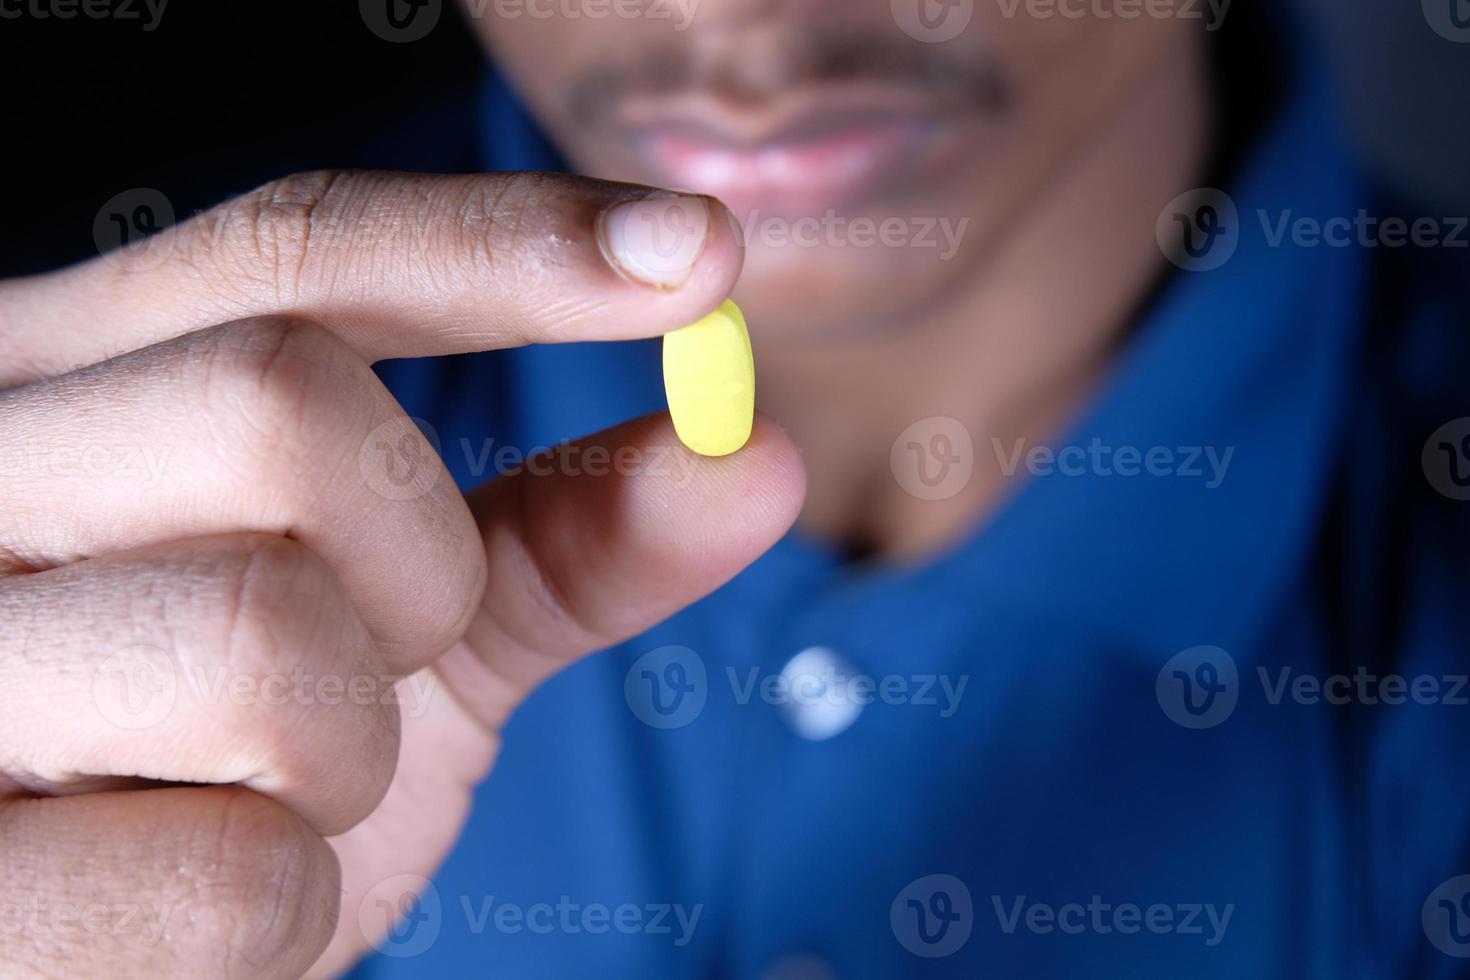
269	237
278	604
279	396
302	665
265	885
505	216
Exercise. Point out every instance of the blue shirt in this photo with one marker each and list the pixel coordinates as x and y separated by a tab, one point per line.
1095	754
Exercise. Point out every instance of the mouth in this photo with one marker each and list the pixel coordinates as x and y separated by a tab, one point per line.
805	155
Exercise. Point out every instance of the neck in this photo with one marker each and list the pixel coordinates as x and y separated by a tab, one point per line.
1014	353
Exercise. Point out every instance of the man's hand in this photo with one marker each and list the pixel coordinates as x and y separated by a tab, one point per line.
239	619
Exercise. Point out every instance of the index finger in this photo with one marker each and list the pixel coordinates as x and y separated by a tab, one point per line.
398	265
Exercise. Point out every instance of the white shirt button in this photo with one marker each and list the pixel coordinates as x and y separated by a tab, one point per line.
818	698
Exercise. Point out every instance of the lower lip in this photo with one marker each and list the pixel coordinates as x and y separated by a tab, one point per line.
798	177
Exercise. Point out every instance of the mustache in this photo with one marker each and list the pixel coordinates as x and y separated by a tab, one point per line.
972	82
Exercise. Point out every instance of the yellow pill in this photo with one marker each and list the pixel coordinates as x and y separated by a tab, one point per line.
709	377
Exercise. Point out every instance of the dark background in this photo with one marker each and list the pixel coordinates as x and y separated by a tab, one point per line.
219	97
225	94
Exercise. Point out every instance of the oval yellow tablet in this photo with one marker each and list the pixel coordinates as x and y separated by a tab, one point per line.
709	377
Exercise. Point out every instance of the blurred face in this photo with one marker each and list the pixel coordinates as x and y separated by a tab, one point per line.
872	150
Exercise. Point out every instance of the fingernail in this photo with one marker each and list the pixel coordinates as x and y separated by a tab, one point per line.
654	240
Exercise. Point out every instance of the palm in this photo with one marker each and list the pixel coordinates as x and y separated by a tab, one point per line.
444	753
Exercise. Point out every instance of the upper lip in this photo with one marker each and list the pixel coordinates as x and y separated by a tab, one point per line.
807	115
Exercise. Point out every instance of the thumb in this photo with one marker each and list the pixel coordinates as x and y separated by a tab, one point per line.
583	556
